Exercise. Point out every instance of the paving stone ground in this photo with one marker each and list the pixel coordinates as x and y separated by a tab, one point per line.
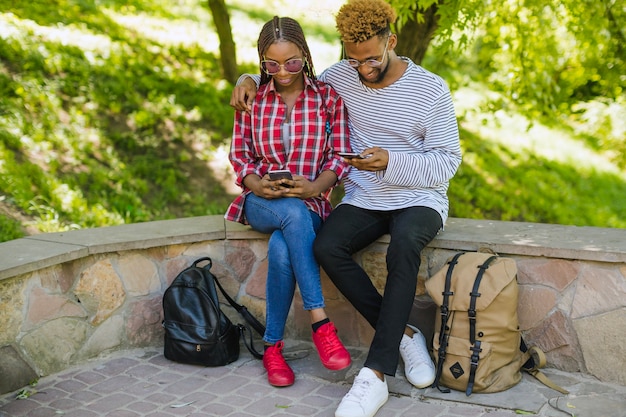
142	383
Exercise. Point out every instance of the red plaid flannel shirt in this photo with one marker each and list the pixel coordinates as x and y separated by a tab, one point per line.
257	146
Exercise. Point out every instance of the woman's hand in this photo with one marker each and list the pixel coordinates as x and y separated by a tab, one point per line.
300	187
303	188
264	187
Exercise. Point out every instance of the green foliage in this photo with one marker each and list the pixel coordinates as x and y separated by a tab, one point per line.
547	57
100	125
10	229
558	63
555	62
107	117
496	182
456	19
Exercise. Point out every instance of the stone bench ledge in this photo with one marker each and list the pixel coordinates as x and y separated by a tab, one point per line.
535	239
35	252
512	238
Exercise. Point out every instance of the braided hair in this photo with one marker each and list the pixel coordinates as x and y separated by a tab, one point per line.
285	29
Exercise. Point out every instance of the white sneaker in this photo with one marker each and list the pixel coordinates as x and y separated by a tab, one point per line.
367	395
419	368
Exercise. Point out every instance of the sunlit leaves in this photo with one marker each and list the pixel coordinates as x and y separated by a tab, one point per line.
96	119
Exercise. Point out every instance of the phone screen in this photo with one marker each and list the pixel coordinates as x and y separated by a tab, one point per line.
280	174
351	155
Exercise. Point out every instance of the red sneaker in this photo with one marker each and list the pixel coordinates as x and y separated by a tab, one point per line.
279	374
333	354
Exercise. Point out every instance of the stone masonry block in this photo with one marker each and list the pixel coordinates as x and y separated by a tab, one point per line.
240	258
173	267
174	251
255	286
52	346
100	291
601	339
328	288
139	274
555	335
437	260
555	273
350	325
375	265
44	307
143	322
16	372
12	301
107	336
534	304
211	249
599	290
57	278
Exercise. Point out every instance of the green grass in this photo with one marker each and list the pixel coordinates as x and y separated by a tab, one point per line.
114	112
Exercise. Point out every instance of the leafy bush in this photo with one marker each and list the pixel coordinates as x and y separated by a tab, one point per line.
101	126
10	229
104	123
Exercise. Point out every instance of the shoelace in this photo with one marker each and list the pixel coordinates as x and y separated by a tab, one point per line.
414	355
360	388
330	341
276	360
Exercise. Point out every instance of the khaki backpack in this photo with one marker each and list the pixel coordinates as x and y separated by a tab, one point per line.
477	344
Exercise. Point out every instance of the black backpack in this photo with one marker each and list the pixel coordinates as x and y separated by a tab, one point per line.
196	330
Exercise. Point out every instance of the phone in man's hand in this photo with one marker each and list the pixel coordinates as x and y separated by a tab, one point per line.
351	155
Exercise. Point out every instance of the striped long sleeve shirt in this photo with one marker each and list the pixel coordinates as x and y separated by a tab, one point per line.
414	120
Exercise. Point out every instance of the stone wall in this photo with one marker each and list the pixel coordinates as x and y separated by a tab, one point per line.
69	297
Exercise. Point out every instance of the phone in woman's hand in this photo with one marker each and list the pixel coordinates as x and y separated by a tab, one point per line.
281	174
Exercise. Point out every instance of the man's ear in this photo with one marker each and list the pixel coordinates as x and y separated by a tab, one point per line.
393	41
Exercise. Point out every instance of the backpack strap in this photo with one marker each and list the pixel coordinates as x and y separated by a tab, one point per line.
248	342
445	316
242	310
536	359
471	312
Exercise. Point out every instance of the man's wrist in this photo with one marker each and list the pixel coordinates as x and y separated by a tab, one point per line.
241	79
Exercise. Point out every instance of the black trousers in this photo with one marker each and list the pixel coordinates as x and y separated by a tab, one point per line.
349	229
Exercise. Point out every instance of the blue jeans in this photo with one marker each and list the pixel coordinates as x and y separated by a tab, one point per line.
289	255
349	229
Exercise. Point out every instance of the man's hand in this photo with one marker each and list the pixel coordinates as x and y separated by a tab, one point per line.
375	159
243	95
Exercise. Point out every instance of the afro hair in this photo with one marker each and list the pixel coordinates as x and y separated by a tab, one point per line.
360	20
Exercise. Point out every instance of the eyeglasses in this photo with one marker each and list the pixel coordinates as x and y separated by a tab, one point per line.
293	66
355	63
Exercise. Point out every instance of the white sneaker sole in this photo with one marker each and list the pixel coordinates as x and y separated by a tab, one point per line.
422	384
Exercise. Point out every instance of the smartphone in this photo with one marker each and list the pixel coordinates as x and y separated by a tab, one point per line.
280	174
350	155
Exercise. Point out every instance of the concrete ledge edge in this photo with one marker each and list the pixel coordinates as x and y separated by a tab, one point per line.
35	252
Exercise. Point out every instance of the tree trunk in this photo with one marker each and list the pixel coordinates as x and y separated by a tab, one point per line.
228	52
414	38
